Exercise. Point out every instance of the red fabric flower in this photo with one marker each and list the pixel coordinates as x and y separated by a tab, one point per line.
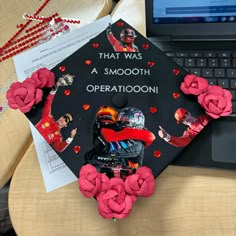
43	78
142	183
115	202
91	181
193	84
23	96
216	101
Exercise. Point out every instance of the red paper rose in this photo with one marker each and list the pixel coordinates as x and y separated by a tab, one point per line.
216	101
43	78
91	181
193	84
23	96
142	183
115	202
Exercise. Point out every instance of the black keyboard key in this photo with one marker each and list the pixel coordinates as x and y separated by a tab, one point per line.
182	54
179	61
201	62
187	69
170	54
233	83
234	54
231	73
195	54
195	71
234	107
224	54
213	62
234	63
207	72
189	62
219	73
225	62
212	81
224	83
233	92
209	54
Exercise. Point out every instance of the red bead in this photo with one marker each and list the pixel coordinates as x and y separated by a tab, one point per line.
120	24
175	95
157	153
88	62
176	71
86	107
76	149
95	45
67	92
62	68
145	46
153	110
151	63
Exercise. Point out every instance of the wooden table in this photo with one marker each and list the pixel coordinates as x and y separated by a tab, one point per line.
187	201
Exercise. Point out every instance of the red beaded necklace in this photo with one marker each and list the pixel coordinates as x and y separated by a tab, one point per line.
3	55
34	35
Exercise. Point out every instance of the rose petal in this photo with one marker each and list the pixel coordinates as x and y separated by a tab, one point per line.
188	79
116	207
19	101
213	115
143	169
194	91
216	90
184	89
214	109
222	103
226	113
87	169
202	83
27	107
209	97
29	97
15	85
105	182
115	181
227	94
133	181
85	184
38	96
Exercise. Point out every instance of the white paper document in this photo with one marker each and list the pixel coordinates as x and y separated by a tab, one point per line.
55	173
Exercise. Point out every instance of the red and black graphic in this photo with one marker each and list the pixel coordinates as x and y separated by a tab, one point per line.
50	128
119	139
126	41
194	126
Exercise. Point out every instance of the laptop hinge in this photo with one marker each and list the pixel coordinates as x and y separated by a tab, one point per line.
204	38
161	38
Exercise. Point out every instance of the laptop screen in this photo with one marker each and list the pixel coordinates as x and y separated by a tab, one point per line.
194	11
208	18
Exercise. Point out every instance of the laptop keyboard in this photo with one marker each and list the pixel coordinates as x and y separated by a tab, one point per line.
219	68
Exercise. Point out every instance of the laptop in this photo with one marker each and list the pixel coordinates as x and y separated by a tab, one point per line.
200	35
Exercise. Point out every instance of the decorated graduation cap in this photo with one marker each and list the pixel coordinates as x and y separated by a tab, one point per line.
123	96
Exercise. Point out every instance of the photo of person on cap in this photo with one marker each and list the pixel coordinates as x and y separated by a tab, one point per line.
194	126
50	128
126	42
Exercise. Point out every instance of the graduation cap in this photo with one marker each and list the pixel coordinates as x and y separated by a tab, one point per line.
119	88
